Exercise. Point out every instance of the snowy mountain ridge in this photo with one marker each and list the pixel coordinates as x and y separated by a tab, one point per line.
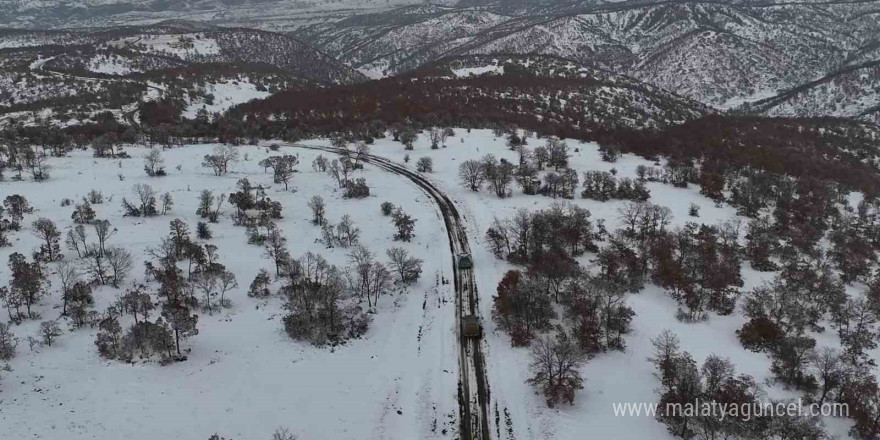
719	53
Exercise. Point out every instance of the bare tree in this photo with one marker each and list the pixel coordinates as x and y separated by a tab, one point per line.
167	203
49	330
435	135
153	163
318	210
206	282
226	153
120	262
45	230
470	173
104	232
320	163
226	282
95	264
76	240
445	134
347	233
408	268
147	199
335	170
425	165
68	275
276	247
367	277
828	368
555	368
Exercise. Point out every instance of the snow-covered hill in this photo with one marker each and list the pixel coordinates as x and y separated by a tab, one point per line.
849	93
719	53
73	75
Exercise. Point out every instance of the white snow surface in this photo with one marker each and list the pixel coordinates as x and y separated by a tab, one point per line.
226	94
476	71
111	65
244	376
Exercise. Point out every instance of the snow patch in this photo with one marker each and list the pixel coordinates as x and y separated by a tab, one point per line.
226	95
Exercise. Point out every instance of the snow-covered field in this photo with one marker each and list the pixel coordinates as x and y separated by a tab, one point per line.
111	65
476	71
245	377
226	94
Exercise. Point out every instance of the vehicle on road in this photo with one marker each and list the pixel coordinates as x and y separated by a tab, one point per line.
471	327
465	261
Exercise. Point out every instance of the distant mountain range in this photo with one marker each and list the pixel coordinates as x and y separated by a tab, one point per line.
266	14
799	58
719	53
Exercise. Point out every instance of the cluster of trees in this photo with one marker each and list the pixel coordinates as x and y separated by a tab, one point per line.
594	309
222	156
28	284
560	184
700	267
357	189
594	314
210	205
497	175
687	389
104	264
146	204
11	215
342	169
345	234
604	186
204	286
323	302
423	103
253	207
565	230
785	313
439	136
320	309
283	167
20	156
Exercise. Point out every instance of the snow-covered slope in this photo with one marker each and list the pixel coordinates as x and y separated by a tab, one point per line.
850	93
75	73
719	53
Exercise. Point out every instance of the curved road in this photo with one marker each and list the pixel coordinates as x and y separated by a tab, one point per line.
473	391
